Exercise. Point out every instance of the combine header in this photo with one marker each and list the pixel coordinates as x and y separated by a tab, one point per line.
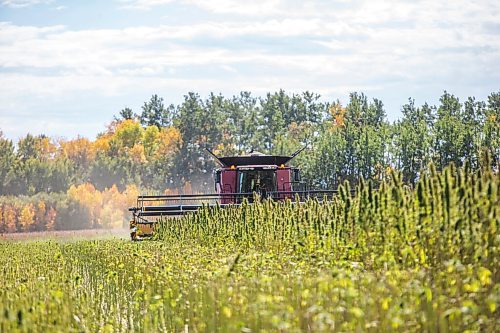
237	178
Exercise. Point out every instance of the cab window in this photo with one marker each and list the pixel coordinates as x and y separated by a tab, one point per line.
256	181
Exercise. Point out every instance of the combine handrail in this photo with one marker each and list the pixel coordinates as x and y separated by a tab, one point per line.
184	196
218	195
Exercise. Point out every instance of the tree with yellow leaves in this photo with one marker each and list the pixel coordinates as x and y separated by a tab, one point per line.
150	140
169	140
101	143
39	218
137	154
337	112
27	217
9	218
80	150
51	219
90	198
128	133
2	222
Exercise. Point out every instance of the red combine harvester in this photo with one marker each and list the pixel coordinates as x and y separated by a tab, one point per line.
237	179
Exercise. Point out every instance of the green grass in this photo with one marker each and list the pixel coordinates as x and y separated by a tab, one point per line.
393	259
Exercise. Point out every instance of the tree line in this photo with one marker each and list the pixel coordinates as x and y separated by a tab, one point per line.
80	207
161	147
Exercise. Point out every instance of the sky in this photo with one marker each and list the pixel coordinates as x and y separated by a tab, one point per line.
67	67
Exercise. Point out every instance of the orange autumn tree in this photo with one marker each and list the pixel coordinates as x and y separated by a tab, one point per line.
144	144
107	208
39	218
337	111
9	218
128	133
83	206
27	217
169	140
89	198
101	143
79	150
2	221
46	148
140	144
51	219
112	214
137	154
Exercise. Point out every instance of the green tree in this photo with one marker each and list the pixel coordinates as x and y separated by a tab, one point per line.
7	160
248	122
491	128
366	133
155	113
107	171
314	111
127	113
27	148
275	114
412	140
472	119
449	131
324	166
198	130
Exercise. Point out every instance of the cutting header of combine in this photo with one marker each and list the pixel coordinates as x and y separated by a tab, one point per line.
238	178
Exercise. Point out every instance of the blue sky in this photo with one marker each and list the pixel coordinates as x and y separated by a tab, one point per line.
66	67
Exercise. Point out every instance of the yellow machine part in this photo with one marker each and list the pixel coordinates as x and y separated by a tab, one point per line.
141	230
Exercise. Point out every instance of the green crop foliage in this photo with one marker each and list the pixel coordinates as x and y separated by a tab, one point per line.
394	258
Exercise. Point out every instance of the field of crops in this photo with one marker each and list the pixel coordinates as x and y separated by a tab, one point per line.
386	259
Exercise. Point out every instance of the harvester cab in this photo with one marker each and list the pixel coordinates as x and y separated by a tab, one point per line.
255	173
238	178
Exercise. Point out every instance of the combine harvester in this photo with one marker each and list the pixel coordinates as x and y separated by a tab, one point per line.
237	179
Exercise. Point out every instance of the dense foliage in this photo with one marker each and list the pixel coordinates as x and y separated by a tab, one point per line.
81	207
390	259
162	148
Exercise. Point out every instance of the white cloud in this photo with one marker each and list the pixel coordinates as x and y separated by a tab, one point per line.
142	4
24	3
102	51
327	47
255	7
